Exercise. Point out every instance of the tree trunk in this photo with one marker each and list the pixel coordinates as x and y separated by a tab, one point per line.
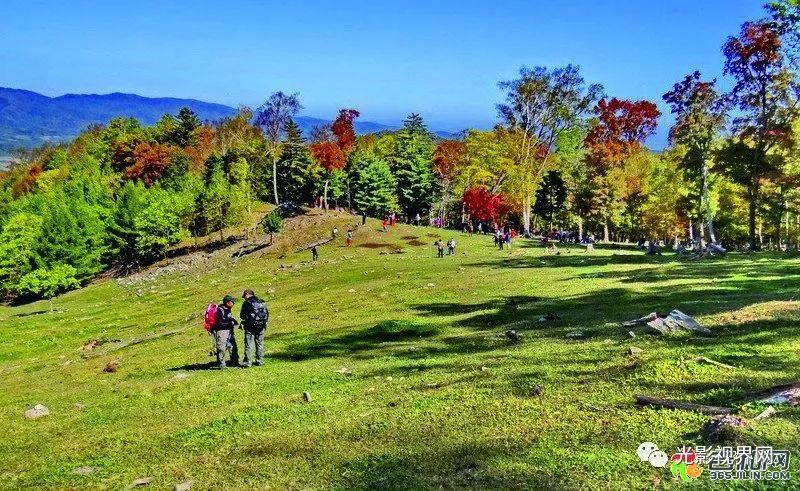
275	179
706	204
580	228
526	214
325	195
751	218
605	232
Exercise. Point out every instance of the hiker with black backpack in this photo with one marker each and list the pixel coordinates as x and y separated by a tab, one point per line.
254	317
222	330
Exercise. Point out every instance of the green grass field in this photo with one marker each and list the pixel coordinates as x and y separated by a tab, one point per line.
437	396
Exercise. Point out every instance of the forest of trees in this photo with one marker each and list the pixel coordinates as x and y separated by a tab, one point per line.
563	155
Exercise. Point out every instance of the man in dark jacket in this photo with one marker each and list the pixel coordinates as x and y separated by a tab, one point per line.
223	332
254	316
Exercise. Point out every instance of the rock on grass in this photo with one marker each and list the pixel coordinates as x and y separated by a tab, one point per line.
37	411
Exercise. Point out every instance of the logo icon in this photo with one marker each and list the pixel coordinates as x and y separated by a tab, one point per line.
649	452
683	464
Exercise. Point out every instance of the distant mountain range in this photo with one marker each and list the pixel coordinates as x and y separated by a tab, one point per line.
29	119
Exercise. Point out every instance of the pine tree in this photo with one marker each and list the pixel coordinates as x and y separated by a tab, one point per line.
413	167
375	186
298	175
550	196
188	122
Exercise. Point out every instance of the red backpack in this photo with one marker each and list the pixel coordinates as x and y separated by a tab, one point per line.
210	317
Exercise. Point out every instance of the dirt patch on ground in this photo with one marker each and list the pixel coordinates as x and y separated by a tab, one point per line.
375	245
433	236
410	237
416	242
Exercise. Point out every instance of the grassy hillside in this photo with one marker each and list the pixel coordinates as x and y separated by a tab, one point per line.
412	382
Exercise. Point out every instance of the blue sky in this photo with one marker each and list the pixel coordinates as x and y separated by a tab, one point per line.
440	58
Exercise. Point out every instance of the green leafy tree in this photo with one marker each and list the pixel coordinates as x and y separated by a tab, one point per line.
412	163
214	201
539	106
700	116
375	186
158	225
271	224
74	231
47	283
20	235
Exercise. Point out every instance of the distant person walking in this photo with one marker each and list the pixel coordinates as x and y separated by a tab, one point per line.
223	332
314	254
417	219
440	247
349	239
451	247
363	218
255	316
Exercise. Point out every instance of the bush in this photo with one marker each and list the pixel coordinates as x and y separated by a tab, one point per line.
47	283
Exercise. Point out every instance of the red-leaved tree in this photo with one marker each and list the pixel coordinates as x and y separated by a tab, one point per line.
483	206
619	131
331	158
342	128
332	155
449	155
149	163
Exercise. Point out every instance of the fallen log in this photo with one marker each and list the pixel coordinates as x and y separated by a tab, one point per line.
703	359
315	244
134	341
686	406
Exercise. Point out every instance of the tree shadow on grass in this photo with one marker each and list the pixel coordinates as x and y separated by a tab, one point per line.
354	342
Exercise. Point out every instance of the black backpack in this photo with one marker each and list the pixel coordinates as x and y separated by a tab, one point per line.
259	315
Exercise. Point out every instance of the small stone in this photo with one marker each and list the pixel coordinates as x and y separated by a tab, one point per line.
84	471
575	335
634	351
631	334
182	486
770	411
430	285
79	406
389	379
537	391
351	290
513	335
141	481
483	369
37	411
180	376
307	396
344	371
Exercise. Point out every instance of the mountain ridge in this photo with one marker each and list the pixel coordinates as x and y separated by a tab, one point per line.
29	119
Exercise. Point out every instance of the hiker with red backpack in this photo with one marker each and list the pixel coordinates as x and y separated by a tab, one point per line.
254	315
219	321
